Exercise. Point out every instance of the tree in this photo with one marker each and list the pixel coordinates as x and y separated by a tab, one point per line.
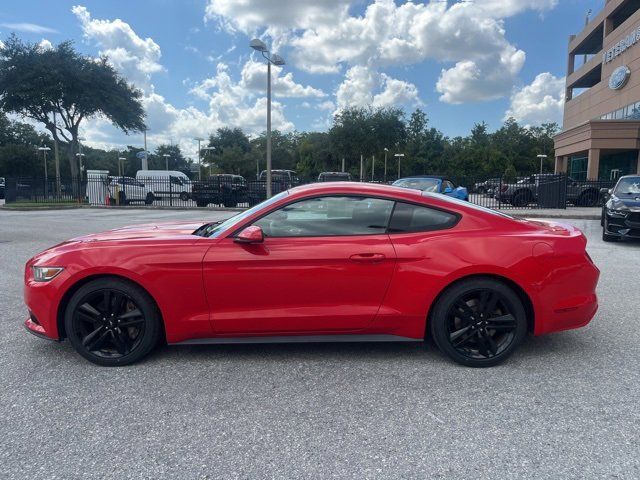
60	88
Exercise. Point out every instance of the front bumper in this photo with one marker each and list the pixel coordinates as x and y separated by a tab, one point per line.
623	227
37	330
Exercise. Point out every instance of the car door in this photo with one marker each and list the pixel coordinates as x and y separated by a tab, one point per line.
324	266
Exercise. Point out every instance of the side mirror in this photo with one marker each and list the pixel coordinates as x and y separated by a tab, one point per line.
605	191
252	234
448	190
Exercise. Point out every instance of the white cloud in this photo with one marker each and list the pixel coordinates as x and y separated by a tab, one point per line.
28	28
361	84
326	38
45	44
254	78
250	16
229	103
539	102
136	58
486	78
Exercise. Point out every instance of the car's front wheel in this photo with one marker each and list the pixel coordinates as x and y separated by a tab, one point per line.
112	322
478	322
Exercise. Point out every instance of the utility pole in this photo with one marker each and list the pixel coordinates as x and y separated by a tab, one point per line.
373	168
361	168
343	164
145	160
56	155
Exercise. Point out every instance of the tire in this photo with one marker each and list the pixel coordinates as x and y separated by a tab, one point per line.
521	199
149	199
202	203
184	196
480	191
229	202
90	321
588	198
602	218
460	322
605	236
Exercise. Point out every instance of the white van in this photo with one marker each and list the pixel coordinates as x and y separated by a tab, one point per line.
164	183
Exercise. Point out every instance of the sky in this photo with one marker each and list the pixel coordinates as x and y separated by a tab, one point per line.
462	62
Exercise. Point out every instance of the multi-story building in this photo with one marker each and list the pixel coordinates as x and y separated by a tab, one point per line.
600	136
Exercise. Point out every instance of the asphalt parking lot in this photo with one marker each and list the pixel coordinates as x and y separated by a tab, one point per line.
564	406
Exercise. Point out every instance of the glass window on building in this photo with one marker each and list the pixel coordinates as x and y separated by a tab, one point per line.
613	165
578	167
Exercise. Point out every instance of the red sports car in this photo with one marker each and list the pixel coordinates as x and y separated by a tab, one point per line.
325	262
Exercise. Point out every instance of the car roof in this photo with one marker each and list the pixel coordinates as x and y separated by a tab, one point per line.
356	188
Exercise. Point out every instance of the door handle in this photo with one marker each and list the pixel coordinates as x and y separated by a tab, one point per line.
367	257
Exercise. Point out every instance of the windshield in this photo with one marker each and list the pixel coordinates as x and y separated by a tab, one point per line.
424	184
236	219
628	186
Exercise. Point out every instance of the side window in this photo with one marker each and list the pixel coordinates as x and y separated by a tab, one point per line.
175	180
328	216
409	218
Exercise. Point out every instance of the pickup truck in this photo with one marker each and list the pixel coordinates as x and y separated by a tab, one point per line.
525	191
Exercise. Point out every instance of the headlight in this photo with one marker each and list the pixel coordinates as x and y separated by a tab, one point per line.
45	274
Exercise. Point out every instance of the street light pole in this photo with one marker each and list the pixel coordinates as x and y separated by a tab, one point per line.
121	161
373	167
44	151
275	59
199	139
399	156
386	150
541	157
166	160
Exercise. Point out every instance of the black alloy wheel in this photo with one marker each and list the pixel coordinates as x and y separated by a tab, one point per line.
149	199
479	322
184	196
521	199
112	322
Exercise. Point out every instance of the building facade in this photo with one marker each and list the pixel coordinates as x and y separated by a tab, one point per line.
600	136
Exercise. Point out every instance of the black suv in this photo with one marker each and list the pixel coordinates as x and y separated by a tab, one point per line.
222	189
621	213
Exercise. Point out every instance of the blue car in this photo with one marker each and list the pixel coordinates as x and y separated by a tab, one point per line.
434	184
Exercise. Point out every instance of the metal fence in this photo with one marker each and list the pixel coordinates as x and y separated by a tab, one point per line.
531	192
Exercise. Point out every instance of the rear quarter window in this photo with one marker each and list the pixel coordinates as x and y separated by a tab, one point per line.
408	218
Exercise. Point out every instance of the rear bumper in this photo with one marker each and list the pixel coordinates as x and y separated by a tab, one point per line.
569	301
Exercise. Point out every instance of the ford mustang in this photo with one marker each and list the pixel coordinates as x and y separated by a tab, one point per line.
326	262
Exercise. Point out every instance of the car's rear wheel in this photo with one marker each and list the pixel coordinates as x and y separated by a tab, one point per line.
184	196
112	322
149	199
478	322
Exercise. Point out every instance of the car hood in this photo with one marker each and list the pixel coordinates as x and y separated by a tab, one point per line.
631	202
138	232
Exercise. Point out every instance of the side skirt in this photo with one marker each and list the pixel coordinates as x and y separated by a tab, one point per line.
298	339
